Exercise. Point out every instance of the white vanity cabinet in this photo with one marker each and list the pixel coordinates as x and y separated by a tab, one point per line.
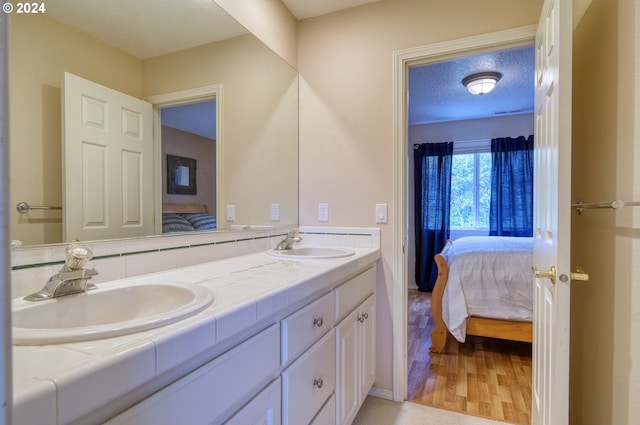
302	370
355	345
211	393
327	384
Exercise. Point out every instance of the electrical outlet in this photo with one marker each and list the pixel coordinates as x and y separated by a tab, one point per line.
275	212
323	212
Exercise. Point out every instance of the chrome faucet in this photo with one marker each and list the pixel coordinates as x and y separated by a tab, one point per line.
288	241
71	279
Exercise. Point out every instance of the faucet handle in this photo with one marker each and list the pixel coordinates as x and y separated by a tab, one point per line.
77	256
293	232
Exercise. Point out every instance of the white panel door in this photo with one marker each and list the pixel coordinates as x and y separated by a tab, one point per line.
107	163
552	215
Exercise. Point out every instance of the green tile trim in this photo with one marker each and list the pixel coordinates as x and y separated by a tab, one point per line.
36	265
147	251
336	234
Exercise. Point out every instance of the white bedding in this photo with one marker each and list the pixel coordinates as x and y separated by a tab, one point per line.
489	276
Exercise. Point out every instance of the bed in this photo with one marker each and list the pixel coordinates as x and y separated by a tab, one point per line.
186	218
484	288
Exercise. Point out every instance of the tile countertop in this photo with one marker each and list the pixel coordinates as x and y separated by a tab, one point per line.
93	380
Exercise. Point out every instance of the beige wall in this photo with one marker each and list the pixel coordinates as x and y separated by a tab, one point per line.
203	150
41	50
259	122
346	109
605	319
270	21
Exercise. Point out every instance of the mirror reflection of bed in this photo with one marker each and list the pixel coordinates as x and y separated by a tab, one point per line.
186	218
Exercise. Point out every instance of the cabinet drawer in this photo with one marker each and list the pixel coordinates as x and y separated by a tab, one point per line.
209	394
306	326
327	415
264	409
309	382
353	292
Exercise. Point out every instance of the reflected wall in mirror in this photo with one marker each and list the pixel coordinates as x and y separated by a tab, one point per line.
259	145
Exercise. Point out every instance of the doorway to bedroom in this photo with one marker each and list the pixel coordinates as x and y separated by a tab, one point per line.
188	146
189	152
483	376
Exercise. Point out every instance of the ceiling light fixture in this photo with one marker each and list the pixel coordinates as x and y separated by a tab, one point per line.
482	82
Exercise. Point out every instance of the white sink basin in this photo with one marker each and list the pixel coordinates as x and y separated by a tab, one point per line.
105	312
311	253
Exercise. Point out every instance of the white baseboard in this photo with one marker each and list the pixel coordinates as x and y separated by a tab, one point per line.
382	393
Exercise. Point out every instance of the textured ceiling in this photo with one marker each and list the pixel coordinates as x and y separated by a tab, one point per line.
436	93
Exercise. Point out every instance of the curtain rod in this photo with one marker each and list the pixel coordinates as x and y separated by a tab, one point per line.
458	141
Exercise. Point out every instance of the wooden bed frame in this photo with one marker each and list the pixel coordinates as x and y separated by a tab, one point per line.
185	208
479	326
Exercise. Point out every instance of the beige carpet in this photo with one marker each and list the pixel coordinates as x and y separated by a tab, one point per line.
378	411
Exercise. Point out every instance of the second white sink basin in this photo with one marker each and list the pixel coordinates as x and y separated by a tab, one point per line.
105	312
311	253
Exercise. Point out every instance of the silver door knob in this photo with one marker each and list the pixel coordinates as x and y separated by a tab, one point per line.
319	321
318	383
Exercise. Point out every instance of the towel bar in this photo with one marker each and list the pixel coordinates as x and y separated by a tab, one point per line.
24	208
616	205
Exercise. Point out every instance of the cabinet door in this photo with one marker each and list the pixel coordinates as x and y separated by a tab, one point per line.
347	369
367	339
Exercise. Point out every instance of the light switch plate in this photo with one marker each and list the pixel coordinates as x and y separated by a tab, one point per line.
323	212
381	213
231	212
275	212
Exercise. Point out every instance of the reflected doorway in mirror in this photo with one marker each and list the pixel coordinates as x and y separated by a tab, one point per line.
181	175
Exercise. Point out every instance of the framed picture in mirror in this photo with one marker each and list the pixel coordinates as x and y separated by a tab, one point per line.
181	175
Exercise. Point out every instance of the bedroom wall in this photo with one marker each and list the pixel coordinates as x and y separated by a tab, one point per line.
479	129
203	150
346	108
605	312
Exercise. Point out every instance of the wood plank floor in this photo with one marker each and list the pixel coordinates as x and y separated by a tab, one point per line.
483	377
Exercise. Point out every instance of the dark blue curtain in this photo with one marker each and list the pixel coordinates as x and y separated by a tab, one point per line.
432	187
511	210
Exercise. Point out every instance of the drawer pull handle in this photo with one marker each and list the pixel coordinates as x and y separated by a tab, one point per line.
318	322
318	383
363	317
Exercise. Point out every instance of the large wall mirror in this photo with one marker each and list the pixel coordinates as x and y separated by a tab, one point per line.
183	46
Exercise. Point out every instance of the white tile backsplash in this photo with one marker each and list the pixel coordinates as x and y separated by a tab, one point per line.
126	258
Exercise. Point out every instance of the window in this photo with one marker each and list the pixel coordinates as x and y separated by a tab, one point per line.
471	188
